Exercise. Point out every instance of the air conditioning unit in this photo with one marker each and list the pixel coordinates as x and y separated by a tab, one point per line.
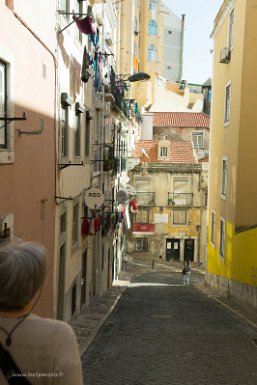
225	55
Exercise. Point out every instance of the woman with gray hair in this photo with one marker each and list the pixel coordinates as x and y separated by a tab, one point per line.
44	350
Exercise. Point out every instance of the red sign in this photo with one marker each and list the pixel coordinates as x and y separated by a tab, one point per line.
144	227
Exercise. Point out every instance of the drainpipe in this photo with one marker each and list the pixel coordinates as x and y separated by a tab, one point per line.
182	44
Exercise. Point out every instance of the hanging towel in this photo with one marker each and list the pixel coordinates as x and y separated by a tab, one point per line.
85	25
85	74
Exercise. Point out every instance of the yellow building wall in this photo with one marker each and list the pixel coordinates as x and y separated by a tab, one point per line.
240	262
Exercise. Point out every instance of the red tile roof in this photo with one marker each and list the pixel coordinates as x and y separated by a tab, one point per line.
180	152
181	119
204	159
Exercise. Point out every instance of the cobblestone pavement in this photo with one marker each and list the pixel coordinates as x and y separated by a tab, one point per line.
163	333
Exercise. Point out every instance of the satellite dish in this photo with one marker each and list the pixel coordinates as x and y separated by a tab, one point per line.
122	196
139	76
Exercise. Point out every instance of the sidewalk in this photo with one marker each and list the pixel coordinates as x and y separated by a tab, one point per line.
87	324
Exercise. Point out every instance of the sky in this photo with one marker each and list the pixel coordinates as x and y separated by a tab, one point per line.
200	15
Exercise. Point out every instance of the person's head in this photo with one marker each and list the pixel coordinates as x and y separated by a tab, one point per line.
23	267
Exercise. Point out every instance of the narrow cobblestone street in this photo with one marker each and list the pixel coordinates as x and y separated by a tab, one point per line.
164	333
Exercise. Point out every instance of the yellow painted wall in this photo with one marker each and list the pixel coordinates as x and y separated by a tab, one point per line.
240	262
238	141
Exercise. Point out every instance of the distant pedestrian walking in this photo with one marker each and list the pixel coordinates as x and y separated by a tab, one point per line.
186	273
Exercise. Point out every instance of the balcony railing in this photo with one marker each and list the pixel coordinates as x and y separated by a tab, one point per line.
145	198
117	93
180	199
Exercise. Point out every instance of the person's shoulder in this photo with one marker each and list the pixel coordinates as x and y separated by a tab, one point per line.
49	323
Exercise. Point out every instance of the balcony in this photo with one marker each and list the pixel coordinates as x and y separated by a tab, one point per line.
116	88
120	165
180	199
145	198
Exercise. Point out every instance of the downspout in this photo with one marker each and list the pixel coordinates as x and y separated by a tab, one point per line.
182	45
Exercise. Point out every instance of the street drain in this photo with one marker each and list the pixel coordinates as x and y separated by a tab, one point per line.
161	316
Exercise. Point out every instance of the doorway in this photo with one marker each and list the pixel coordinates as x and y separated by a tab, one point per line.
172	249
83	280
189	250
61	286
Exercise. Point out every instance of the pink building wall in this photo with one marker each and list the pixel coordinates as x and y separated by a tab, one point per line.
27	186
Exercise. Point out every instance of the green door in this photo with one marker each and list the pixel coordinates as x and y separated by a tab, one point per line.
172	249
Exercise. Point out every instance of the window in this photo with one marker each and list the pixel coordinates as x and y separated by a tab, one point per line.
152	27
135	24
141	216
78	9
75	224
231	30
152	53
63	224
227	103
77	134
224	177
142	244
209	95
164	152
153	5
197	139
73	298
213	226
3	105
64	130
179	217
87	135
65	6
222	237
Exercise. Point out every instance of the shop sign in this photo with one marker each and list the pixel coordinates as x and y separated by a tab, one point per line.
143	227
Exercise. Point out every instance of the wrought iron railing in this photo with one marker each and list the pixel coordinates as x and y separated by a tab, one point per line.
180	199
145	198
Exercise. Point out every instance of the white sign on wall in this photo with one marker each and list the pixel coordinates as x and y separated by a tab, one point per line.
161	218
94	198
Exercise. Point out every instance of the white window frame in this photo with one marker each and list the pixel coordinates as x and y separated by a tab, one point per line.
65	7
224	177
77	134
153	5
152	28
152	53
141	216
143	246
7	145
163	152
231	29
78	9
178	223
213	226
222	237
227	105
87	136
64	131
197	135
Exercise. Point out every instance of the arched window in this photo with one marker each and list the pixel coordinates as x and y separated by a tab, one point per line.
153	5
152	27
152	53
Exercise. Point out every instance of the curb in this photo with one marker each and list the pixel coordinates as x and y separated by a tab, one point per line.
94	333
235	312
